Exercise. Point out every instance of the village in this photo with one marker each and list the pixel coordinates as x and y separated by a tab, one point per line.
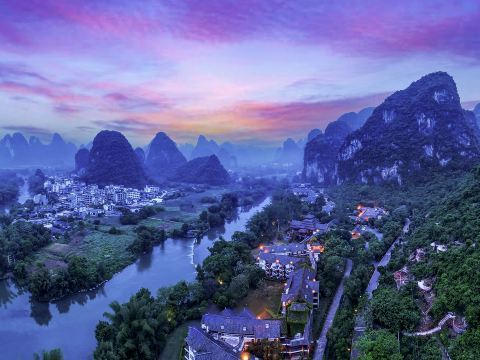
69	197
294	262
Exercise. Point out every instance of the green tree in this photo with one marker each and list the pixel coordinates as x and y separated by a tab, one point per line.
55	354
379	344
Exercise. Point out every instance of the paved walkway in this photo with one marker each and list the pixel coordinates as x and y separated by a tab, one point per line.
322	341
360	328
436	329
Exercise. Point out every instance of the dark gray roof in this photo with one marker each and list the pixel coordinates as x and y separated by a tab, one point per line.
208	348
286	248
246	313
300	284
298	307
242	325
282	259
227	312
311	224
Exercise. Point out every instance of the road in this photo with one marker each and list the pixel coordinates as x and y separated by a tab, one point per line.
373	284
322	341
360	328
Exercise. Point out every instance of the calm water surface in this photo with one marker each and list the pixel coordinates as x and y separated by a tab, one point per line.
27	327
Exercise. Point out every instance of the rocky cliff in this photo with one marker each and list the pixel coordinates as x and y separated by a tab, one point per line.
321	151
411	134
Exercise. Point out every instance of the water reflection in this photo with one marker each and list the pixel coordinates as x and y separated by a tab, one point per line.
145	261
6	293
40	312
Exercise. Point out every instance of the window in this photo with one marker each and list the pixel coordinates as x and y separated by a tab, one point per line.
222	327
244	328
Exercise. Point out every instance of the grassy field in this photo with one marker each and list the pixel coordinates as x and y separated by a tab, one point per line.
97	245
264	302
175	341
100	246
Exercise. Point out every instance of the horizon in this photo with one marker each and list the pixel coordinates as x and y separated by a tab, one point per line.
244	73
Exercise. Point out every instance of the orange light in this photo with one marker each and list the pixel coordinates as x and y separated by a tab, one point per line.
245	355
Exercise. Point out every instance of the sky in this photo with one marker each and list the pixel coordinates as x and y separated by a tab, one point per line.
253	71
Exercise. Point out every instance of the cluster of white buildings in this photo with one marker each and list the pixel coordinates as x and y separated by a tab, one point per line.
74	193
67	197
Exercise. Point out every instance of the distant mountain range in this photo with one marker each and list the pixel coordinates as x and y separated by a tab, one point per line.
225	152
16	151
112	160
413	133
290	153
320	154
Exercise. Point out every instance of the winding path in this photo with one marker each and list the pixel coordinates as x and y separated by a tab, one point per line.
436	329
360	326
322	341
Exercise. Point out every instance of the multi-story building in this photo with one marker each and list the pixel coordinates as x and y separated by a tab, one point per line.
238	330
301	286
277	266
200	345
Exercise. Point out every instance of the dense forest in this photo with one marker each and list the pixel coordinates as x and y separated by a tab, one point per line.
447	216
9	184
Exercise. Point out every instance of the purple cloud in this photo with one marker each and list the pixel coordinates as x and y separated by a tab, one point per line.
126	102
130	125
346	26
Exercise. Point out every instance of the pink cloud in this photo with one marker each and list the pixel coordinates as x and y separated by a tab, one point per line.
347	26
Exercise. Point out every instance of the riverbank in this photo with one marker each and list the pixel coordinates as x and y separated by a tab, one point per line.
29	326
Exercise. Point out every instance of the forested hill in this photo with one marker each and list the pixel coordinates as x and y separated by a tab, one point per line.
415	132
453	223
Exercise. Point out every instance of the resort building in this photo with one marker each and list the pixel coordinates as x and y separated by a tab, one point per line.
278	266
309	226
199	345
237	330
364	213
301	287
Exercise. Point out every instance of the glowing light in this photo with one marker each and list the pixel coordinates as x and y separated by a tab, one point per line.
245	355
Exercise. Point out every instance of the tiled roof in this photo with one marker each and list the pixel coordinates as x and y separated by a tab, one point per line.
227	312
246	313
243	325
208	348
286	248
282	259
300	285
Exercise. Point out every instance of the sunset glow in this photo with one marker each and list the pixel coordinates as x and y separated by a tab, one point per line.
230	70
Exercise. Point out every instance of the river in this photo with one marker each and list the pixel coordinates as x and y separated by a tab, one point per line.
27	327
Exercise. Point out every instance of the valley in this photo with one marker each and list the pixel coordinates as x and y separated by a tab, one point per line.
239	180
